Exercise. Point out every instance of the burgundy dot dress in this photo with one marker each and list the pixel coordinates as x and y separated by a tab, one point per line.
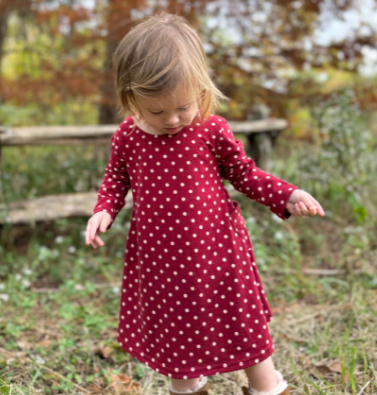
192	302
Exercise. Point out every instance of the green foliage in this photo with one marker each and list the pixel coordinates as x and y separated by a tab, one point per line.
38	171
74	111
4	387
344	166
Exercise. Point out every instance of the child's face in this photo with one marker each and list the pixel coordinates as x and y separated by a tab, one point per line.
161	113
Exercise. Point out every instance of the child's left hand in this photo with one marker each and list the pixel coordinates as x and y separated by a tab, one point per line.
302	203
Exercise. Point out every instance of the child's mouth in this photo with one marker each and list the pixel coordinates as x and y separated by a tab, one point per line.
172	129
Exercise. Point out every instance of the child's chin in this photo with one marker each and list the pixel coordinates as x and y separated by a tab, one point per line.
173	131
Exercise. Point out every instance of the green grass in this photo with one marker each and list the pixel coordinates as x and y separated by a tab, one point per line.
59	298
59	323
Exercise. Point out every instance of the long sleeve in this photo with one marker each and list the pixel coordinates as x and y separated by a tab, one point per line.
245	176
116	182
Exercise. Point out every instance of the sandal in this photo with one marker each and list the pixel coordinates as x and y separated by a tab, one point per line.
202	391
281	389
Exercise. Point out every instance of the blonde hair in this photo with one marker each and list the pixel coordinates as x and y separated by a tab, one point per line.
160	55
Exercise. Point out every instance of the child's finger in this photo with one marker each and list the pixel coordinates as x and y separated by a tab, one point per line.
304	209
104	224
312	208
315	207
311	205
93	229
298	210
87	234
319	208
96	241
99	241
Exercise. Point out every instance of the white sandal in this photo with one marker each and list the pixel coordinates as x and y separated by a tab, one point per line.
281	389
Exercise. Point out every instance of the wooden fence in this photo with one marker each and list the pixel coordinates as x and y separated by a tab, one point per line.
261	136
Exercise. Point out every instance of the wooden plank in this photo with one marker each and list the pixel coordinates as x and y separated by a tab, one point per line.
260	126
41	135
52	207
59	142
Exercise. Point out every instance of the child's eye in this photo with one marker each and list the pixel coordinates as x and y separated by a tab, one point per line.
180	109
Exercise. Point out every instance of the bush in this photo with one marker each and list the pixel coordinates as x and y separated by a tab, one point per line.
343	168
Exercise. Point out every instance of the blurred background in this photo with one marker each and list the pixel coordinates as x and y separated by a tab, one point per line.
312	63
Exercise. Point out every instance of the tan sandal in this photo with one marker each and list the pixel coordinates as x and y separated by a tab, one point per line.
245	391
202	391
281	389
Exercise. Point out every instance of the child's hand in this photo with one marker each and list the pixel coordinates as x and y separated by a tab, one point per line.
302	203
99	220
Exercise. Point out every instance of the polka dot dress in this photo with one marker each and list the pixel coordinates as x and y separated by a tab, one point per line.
192	302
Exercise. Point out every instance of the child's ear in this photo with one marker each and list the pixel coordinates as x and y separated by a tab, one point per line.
199	115
136	117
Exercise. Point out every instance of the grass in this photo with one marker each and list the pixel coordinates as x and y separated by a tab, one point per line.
59	298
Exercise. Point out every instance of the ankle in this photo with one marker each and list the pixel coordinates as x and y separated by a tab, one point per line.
201	383
280	386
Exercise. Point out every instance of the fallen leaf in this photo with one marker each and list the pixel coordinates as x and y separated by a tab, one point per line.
95	389
123	384
24	345
327	368
45	343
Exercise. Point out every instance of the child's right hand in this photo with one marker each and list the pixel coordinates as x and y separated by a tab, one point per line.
101	221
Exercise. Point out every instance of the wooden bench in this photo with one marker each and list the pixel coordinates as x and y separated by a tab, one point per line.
52	207
261	136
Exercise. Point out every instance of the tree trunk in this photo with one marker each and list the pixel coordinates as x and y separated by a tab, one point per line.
108	106
3	33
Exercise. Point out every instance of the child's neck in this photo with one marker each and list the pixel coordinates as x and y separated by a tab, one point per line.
143	125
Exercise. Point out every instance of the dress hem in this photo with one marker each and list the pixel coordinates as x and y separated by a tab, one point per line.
199	371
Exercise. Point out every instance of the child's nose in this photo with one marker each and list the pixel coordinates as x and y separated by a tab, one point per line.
172	120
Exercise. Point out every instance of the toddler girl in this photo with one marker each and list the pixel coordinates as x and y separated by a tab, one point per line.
192	304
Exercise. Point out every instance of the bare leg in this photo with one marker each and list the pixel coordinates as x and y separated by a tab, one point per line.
185	385
262	376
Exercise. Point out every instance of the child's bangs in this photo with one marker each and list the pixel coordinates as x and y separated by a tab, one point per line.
173	81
